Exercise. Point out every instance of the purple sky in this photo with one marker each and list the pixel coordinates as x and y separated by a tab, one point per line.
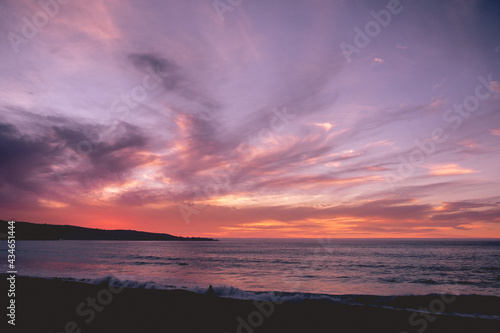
276	118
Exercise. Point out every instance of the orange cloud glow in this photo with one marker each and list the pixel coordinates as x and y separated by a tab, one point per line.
449	170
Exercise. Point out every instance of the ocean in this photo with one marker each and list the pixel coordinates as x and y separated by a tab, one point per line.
243	268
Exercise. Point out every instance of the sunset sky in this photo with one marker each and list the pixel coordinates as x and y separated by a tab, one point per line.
252	118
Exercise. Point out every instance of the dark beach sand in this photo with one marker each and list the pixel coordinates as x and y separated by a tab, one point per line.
44	305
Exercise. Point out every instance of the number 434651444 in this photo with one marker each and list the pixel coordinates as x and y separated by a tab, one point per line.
12	245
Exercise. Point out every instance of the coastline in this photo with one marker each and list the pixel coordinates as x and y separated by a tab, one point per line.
55	305
55	232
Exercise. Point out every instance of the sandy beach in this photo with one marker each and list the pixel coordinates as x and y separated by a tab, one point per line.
50	305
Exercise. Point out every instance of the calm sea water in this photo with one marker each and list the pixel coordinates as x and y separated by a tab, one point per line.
376	267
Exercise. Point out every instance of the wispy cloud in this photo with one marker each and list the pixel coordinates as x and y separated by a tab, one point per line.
449	170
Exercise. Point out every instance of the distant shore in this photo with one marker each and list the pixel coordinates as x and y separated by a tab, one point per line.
52	305
37	231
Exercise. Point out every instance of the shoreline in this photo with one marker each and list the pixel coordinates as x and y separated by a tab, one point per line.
56	305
